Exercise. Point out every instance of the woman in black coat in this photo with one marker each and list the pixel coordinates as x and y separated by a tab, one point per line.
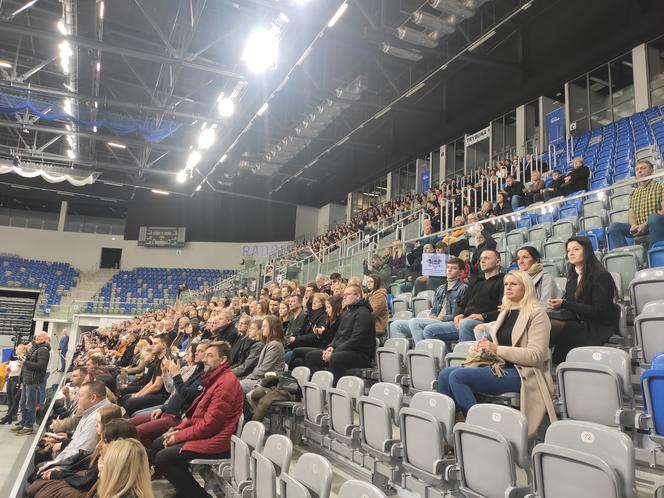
322	334
591	313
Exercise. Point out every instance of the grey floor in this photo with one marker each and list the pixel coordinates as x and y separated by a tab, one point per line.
14	450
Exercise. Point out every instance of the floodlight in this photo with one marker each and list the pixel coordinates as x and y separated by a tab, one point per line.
194	159
260	52
206	139
182	176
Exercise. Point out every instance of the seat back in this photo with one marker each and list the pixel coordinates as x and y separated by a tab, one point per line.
402	315
253	433
359	489
563	229
588	371
427	294
647	285
496	434
554	249
581	459
624	263
302	374
312	477
649	327
426	425
313	394
379	411
240	460
341	403
390	359
420	304
424	362
458	354
538	232
400	306
516	237
268	465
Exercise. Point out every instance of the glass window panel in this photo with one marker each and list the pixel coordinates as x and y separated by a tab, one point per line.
656	71
599	89
582	126
497	132
601	118
459	155
578	98
510	131
622	79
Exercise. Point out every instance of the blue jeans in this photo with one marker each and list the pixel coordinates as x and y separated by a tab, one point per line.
445	331
462	384
42	390
619	232
400	328
411	328
29	395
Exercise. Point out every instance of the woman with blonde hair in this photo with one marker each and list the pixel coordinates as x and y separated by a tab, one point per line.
515	358
124	471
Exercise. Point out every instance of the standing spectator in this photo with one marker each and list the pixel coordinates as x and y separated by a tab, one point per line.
354	346
63	346
577	179
14	384
33	373
207	427
124	471
646	211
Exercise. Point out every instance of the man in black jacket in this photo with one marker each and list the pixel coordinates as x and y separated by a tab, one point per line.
354	344
244	354
480	304
222	327
553	190
33	374
515	192
577	179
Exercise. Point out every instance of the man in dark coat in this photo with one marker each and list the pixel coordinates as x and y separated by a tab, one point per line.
577	179
33	374
354	344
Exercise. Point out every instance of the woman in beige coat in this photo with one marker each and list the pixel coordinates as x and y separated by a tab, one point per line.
377	297
520	340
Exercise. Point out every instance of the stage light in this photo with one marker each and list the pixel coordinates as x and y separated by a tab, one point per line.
260	52
193	160
182	176
160	192
71	154
225	105
116	145
206	139
62	28
67	107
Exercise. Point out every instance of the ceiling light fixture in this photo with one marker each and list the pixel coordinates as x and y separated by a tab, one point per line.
101	10
225	105
160	192
414	90
182	176
262	110
67	107
62	28
337	15
481	40
6	64
24	7
98	66
206	138
199	188
193	159
71	154
261	51
223	158
116	145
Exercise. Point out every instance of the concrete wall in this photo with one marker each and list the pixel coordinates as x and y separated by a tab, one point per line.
306	222
83	250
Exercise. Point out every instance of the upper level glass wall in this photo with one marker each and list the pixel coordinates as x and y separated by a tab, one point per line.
503	136
656	71
404	180
371	194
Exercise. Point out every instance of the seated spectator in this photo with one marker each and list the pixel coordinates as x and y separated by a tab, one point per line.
515	192
458	239
519	343
79	480
185	341
271	358
397	262
137	366
483	241
322	335
338	289
589	300
124	471
322	283
486	211
377	298
553	189
480	305
307	299
380	267
317	318
284	314
534	188
246	350
299	322
354	345
577	179
131	340
186	387
503	206
91	398
429	282
529	260
273	306
207	427
646	211
446	302
222	327
71	413
153	393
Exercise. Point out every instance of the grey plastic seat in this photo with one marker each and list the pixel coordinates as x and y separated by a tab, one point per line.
424	313
407	297
625	263
390	359
594	207
619	201
311	478
359	489
402	315
424	363
649	327
539	232
421	304
551	268
237	473
517	237
594	384
426	429
554	249
496	434
400	306
217	461
313	397
618	215
268	465
583	459
379	413
647	285
428	294
458	354
302	374
564	229
342	403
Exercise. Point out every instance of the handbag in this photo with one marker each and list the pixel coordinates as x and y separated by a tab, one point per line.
562	314
289	384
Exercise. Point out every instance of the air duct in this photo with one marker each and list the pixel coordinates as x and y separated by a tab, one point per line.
415	37
454	7
431	22
401	53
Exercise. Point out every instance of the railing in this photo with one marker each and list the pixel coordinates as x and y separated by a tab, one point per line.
66	313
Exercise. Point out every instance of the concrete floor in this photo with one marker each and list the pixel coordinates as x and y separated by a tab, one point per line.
14	450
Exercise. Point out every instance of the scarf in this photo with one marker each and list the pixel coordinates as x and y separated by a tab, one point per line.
535	269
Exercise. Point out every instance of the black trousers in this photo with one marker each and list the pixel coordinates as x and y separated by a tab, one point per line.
13	398
340	362
137	403
565	336
298	358
173	464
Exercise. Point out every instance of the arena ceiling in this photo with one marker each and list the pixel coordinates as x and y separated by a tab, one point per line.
124	88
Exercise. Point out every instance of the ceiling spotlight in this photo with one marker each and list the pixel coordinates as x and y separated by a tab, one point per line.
225	105
182	176
260	52
160	192
199	188
206	139
194	159
101	10
116	145
62	28
71	154
67	107
5	64
223	158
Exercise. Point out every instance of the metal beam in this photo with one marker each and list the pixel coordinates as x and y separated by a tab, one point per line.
156	28
80	42
36	69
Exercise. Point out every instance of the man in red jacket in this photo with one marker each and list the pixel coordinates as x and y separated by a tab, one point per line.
207	427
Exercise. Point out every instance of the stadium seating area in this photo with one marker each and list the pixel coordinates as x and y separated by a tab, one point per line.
151	286
53	279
